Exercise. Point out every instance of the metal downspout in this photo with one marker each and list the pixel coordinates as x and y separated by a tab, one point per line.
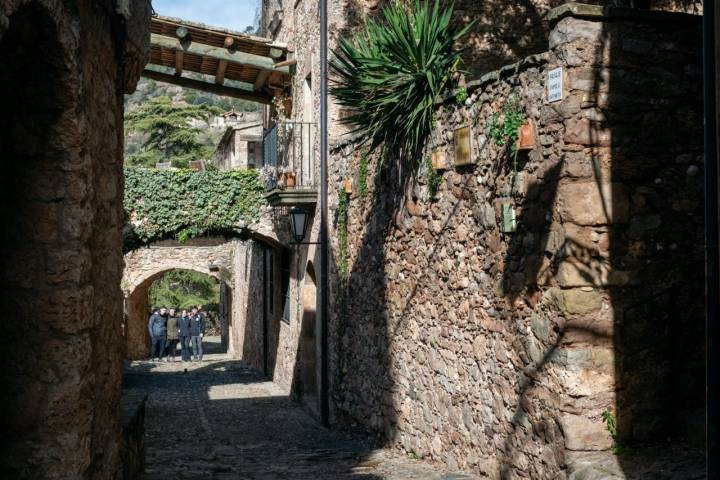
324	387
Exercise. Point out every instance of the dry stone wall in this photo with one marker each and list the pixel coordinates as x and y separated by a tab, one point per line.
497	349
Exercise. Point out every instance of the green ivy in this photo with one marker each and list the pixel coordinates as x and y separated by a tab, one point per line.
183	204
362	175
461	95
434	179
504	130
342	228
610	422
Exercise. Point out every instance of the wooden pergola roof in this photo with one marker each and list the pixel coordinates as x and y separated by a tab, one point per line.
242	66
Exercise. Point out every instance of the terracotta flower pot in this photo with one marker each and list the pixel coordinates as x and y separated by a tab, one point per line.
289	179
526	137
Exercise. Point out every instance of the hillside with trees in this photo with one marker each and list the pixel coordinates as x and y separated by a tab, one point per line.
168	123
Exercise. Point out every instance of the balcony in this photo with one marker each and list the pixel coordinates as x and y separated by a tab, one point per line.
289	152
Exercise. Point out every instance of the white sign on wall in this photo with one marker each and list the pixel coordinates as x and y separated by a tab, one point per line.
555	84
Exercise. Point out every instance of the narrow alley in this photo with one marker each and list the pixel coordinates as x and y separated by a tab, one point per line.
222	420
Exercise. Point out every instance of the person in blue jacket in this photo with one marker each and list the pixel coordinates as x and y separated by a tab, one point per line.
183	326
197	330
157	326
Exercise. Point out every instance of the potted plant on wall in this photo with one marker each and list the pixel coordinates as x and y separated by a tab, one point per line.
290	179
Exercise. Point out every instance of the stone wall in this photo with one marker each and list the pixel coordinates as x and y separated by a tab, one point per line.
61	189
258	333
499	350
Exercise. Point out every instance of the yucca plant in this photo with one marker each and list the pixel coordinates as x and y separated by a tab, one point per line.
392	73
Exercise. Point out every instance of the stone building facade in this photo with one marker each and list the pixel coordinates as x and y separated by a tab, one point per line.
493	343
240	146
65	67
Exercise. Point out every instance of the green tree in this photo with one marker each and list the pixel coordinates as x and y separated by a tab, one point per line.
169	134
185	289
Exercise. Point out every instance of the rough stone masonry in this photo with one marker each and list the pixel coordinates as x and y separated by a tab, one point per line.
463	339
65	67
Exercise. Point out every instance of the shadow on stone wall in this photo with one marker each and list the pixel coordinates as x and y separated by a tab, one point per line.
36	91
600	301
633	130
656	158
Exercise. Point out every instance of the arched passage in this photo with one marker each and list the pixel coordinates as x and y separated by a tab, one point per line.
211	256
139	304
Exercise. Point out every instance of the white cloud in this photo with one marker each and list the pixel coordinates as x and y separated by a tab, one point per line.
232	14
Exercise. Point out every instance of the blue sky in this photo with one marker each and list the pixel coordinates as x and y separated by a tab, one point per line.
232	14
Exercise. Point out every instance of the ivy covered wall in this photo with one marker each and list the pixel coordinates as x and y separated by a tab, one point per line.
183	204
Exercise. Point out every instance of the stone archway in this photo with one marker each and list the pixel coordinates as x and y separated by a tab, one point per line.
212	256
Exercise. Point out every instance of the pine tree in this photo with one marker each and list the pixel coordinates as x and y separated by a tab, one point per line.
168	132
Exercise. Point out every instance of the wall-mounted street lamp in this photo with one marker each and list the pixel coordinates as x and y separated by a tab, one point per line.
298	223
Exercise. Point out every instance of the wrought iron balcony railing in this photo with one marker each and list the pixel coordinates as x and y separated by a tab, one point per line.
289	152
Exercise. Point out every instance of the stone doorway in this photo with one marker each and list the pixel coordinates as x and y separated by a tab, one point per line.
307	388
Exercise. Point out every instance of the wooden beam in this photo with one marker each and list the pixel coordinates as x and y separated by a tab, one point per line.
286	63
220	73
218	53
208	87
179	57
261	79
198	27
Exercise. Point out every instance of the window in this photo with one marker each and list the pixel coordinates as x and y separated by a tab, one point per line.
285	284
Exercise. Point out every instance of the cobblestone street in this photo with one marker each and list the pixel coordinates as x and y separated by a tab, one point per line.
222	420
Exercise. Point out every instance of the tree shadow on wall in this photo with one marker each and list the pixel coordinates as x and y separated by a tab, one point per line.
645	260
658	314
371	302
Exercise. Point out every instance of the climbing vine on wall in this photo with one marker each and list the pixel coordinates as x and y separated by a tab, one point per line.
362	174
434	179
342	233
182	204
504	125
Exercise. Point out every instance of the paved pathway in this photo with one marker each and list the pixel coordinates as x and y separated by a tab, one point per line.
221	420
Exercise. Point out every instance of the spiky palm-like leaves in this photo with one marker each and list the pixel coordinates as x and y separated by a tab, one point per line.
391	75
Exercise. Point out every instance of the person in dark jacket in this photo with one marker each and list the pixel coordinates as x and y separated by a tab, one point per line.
197	330
172	334
157	326
183	326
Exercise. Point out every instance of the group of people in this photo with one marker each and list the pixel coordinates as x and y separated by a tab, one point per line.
167	329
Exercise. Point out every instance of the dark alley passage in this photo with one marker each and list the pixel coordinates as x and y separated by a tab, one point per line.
222	420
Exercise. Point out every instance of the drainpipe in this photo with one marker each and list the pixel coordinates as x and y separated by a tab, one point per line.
324	405
710	11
